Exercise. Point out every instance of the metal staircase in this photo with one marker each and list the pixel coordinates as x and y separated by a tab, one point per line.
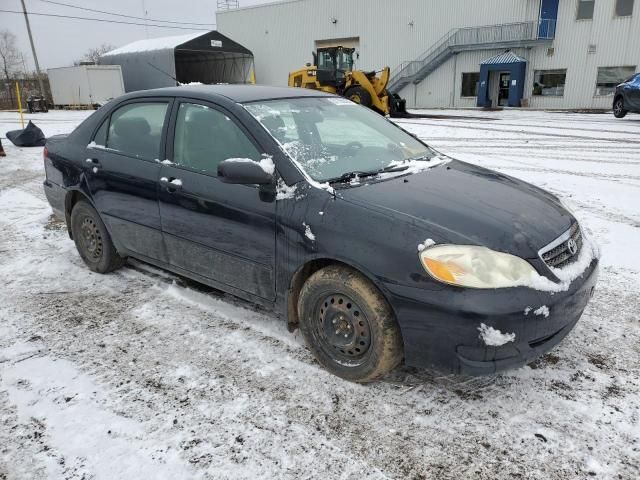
511	35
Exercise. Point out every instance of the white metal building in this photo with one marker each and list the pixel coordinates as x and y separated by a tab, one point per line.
565	54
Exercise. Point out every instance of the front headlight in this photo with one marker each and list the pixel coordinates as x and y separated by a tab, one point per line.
476	267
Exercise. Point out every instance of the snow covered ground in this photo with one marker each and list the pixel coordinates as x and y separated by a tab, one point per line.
141	374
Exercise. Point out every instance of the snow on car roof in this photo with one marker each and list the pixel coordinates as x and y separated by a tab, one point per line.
161	43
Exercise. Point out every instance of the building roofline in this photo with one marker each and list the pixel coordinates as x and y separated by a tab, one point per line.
262	5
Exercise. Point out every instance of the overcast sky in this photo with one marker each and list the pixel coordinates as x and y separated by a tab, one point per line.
60	41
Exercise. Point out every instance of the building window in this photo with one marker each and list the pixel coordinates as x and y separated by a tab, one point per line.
610	77
470	84
624	8
585	9
549	83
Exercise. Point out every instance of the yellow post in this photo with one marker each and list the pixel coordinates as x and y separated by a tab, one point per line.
253	77
19	105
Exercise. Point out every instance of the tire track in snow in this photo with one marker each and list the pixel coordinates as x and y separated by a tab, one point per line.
501	123
593	175
523	132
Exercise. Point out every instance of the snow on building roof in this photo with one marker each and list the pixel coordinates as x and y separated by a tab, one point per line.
161	43
506	57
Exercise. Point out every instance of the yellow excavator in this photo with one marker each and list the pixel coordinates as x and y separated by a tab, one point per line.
332	72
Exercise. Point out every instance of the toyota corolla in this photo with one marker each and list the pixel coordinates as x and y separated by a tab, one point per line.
378	247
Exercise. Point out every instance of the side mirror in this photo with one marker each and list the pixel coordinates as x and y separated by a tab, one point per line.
243	171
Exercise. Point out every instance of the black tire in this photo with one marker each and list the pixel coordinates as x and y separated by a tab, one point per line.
92	239
348	325
618	108
359	95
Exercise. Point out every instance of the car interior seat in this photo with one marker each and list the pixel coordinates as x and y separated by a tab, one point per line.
132	135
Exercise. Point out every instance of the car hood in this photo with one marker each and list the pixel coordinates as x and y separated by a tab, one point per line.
465	204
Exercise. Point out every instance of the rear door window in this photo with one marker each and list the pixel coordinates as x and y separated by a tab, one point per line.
136	129
205	137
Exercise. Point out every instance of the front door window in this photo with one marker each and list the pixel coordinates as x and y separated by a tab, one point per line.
205	137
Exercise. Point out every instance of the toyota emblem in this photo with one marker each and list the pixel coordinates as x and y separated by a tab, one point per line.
572	246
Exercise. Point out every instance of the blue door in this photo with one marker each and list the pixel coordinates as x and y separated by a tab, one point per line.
548	18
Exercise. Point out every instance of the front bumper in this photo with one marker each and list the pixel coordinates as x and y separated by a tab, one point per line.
440	328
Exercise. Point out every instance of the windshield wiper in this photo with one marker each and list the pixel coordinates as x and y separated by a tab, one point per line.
426	156
348	176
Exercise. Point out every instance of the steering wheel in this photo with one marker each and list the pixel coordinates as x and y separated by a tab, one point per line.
351	148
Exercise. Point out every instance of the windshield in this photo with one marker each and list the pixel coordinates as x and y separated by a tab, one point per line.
330	137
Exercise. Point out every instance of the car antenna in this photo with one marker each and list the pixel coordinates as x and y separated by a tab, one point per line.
162	71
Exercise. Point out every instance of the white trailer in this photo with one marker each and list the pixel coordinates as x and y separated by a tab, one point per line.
85	85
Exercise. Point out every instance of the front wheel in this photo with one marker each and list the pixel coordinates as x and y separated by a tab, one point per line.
618	108
92	239
348	325
359	95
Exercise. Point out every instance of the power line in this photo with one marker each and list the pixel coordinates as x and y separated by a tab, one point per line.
123	15
105	20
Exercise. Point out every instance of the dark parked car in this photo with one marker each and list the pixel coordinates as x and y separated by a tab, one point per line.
627	97
378	247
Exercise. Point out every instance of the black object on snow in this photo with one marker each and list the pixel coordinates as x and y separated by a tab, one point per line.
30	136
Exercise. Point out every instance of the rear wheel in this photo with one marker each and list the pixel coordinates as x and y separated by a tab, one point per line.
359	95
92	239
618	108
348	325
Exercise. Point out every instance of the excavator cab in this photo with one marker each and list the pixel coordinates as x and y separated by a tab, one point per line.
332	65
333	72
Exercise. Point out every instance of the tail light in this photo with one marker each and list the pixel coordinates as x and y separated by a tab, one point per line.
45	157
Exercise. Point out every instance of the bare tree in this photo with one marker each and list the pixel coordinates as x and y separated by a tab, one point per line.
10	59
94	54
10	56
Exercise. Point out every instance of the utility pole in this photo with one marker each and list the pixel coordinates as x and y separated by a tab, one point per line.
33	49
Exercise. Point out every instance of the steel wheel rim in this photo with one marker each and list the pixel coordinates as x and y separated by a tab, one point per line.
90	239
342	329
355	98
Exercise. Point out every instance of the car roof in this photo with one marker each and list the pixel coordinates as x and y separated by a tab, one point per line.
235	93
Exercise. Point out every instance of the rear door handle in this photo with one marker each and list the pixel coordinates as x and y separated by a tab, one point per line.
93	162
171	184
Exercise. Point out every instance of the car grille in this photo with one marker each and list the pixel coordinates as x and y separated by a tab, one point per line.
558	253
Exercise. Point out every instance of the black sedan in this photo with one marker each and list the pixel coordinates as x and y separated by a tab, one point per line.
627	97
379	248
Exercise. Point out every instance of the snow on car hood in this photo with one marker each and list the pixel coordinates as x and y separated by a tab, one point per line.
461	203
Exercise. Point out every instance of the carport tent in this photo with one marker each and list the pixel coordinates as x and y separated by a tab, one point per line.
204	57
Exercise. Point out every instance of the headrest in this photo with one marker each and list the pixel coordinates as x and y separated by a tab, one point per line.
132	127
200	115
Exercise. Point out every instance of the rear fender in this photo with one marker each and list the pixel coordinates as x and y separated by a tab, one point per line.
75	194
